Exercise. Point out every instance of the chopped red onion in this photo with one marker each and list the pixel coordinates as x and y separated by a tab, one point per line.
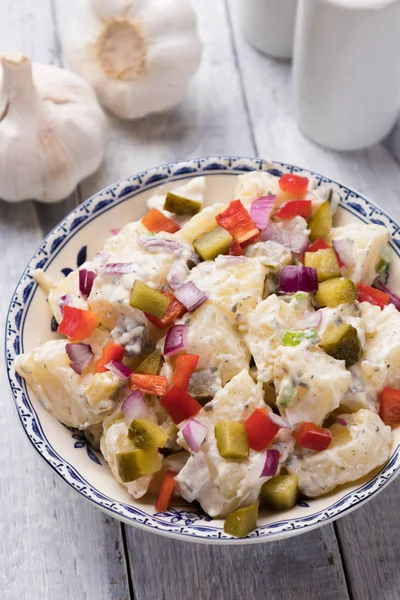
342	421
178	273
343	250
394	298
115	231
260	211
123	269
297	278
292	234
311	320
134	407
194	433
175	340
280	421
156	244
62	301
271	463
119	369
80	356
101	256
86	279
190	296
225	260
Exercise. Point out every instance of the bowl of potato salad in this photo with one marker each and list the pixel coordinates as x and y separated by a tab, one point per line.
210	350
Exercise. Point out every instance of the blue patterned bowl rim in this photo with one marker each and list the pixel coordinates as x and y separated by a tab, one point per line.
184	524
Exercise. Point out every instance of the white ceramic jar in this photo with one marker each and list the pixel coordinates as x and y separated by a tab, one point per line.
346	71
269	25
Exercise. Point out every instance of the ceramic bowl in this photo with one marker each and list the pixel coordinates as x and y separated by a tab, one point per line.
81	234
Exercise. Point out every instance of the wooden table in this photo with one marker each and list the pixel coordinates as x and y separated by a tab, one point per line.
54	545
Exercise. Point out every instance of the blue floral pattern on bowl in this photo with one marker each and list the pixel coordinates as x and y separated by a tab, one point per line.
182	522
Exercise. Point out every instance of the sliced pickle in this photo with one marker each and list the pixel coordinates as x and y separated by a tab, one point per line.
146	434
212	243
342	342
148	300
180	205
325	262
281	492
242	522
232	439
321	223
336	291
151	365
137	463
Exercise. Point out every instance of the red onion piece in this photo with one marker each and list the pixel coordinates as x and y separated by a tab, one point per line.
280	421
62	300
292	234
123	269
115	231
119	369
297	278
394	298
342	421
134	407
311	320
178	273
101	256
225	260
271	463
156	244
80	356
194	433
343	250
86	279
175	340
260	211
190	296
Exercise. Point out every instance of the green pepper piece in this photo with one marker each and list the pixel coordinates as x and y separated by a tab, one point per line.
342	342
321	223
180	205
291	337
146	434
232	439
325	262
137	463
286	395
281	492
214	242
151	364
242	522
148	300
336	291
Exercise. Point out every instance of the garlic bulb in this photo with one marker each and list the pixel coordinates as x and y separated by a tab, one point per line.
51	131
138	55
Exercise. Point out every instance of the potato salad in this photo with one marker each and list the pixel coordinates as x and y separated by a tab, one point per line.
238	355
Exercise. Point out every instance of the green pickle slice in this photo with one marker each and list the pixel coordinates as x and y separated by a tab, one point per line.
242	522
180	205
146	434
325	262
321	223
281	492
232	439
148	300
137	463
151	365
212	243
336	291
342	342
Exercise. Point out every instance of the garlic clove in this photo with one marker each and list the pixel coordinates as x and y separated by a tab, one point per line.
51	131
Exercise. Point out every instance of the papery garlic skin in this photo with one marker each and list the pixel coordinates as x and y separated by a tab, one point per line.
52	131
138	56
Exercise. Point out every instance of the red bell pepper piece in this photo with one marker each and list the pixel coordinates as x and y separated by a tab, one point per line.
180	405
365	293
236	249
237	221
175	310
294	185
185	364
260	429
78	324
148	384
319	244
301	208
166	491
389	406
156	221
313	437
110	352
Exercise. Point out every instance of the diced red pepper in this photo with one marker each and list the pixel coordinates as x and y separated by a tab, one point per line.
78	324
185	364
365	293
236	249
294	185
110	352
148	384
260	429
156	221
180	405
301	208
166	491
175	310
237	221
313	437
389	406
319	244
